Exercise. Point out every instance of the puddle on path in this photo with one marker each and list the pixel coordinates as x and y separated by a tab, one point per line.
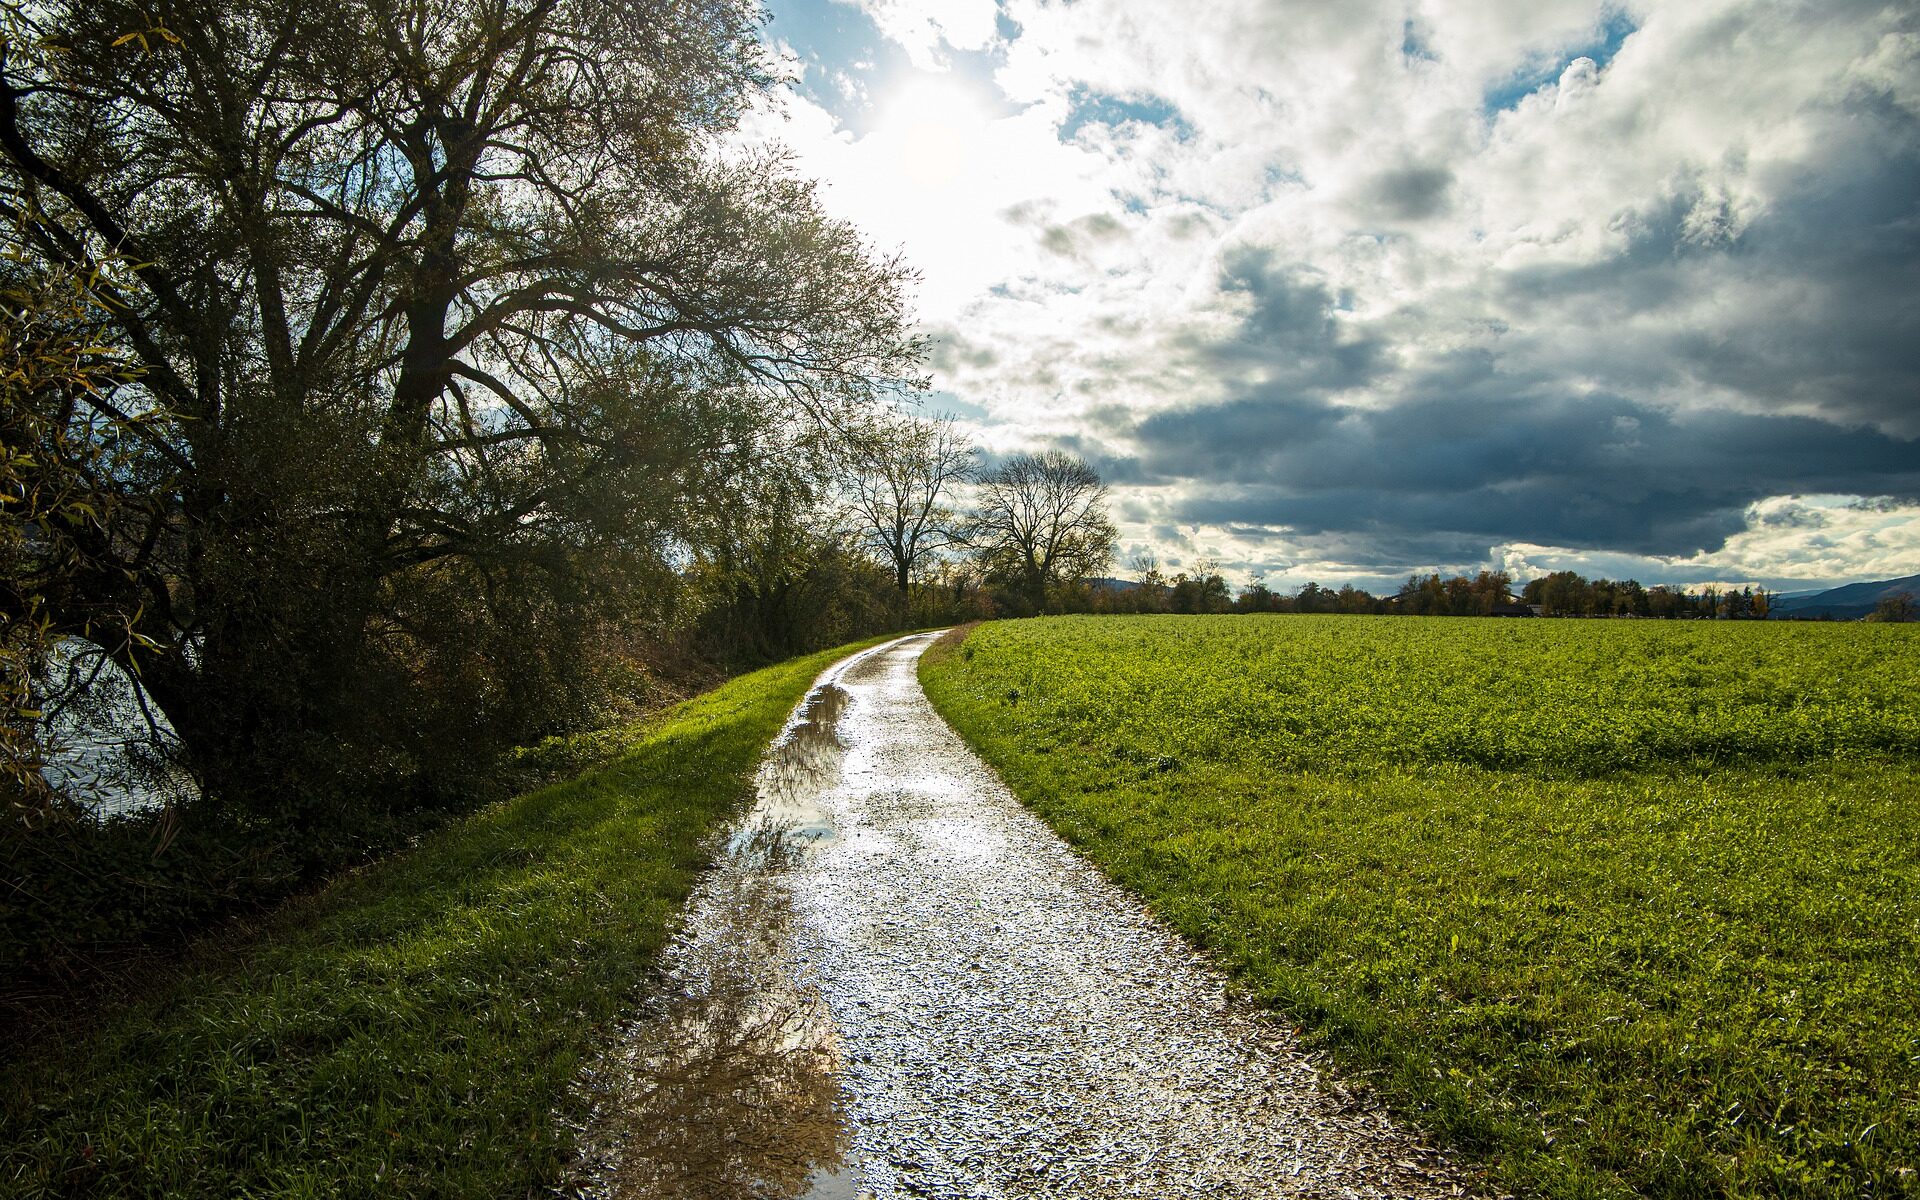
728	1083
787	816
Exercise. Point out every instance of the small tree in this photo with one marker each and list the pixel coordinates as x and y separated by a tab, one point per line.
1202	591
1041	522
901	491
1899	607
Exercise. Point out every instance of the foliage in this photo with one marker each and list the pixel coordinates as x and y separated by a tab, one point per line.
1627	908
1460	596
1895	609
1568	594
786	577
415	1028
1485	593
56	460
448	335
457	315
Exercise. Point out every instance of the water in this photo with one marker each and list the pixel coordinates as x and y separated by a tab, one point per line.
100	749
729	1083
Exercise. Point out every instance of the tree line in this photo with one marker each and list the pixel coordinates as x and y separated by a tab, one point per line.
1486	593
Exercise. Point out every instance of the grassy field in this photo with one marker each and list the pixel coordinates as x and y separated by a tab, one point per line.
413	1029
1617	907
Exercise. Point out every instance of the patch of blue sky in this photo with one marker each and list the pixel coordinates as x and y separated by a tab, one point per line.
1616	26
835	42
1089	107
1277	179
851	67
1413	44
937	402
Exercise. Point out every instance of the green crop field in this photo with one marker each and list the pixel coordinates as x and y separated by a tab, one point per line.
1616	908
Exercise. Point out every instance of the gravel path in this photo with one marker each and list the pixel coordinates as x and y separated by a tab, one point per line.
899	982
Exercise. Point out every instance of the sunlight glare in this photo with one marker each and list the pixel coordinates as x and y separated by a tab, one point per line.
935	127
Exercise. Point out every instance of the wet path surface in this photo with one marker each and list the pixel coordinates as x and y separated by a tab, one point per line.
899	982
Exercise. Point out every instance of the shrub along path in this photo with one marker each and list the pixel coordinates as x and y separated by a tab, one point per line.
412	1029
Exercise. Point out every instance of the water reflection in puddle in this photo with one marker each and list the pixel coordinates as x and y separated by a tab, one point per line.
727	1084
800	768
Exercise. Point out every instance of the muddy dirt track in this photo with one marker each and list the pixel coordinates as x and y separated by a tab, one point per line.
899	982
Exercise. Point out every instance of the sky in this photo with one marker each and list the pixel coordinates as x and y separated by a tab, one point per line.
1349	291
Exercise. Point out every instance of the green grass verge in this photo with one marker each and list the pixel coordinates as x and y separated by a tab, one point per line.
411	1029
1620	908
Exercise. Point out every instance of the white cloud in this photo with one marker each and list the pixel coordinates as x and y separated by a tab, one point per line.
1810	540
1594	235
924	27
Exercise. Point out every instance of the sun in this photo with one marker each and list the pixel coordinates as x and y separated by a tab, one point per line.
935	127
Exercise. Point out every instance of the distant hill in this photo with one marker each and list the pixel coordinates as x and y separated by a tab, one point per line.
1846	603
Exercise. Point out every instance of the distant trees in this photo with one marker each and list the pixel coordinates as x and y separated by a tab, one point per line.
1040	522
786	575
1459	596
1151	592
1258	597
1897	608
1203	590
1559	594
1481	594
1568	594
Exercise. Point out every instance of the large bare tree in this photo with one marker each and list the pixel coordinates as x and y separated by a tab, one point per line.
902	492
1040	522
450	318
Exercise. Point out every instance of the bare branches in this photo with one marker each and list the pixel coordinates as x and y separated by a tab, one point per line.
901	491
1041	521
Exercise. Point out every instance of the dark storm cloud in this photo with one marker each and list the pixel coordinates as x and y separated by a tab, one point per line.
1725	356
1290	328
1409	193
1849	238
1463	472
1819	306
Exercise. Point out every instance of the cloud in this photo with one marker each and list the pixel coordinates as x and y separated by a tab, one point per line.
1366	287
928	32
1413	192
1594	472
